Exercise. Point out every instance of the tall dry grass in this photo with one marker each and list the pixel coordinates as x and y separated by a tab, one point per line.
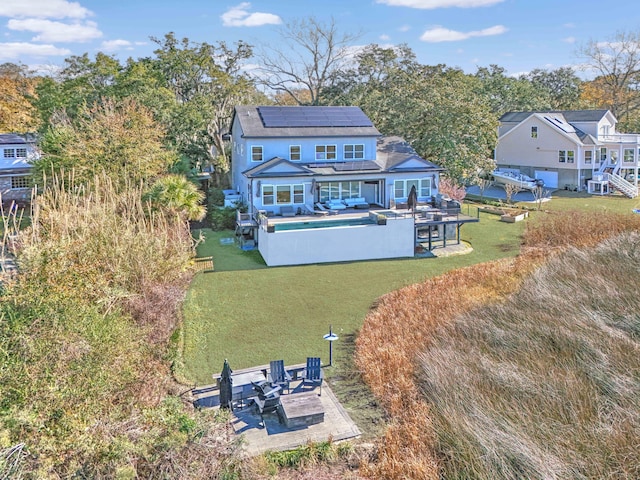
545	385
102	242
404	323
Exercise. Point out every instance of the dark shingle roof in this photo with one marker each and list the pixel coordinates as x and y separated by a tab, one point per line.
570	115
393	151
329	122
11	138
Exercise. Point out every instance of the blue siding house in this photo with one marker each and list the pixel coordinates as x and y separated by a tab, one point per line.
323	185
300	156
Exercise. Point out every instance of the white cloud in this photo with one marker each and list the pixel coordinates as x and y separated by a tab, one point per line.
432	4
441	34
43	9
50	31
11	51
239	16
384	37
405	28
113	45
569	40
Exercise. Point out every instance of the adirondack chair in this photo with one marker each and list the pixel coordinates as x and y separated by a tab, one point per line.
268	399
313	374
278	375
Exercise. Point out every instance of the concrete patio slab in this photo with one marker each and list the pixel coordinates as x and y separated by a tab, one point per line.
259	437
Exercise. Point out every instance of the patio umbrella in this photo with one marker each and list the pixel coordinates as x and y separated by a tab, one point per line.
412	200
226	383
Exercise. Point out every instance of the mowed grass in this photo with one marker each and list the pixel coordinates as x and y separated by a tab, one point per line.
251	314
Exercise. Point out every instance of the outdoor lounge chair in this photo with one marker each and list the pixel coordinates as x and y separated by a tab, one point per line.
322	208
278	376
313	374
287	211
335	204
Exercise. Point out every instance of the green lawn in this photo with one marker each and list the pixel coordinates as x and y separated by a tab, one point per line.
252	314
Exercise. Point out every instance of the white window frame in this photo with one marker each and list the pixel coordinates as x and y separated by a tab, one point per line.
251	153
603	154
353	154
566	156
268	192
20	182
340	190
534	131
295	193
423	187
21	153
292	154
588	159
323	154
628	155
9	153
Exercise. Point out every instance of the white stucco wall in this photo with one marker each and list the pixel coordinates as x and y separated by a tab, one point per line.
338	244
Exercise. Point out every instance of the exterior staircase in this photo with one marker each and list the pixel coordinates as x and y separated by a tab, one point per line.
622	185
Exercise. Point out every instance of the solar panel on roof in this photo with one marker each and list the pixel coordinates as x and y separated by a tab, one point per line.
359	165
277	117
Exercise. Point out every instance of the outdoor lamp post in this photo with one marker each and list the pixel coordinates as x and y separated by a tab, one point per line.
330	337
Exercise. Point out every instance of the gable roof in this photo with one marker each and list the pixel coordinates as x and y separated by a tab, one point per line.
570	115
277	167
394	154
12	139
279	122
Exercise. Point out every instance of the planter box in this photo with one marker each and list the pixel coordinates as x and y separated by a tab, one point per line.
513	218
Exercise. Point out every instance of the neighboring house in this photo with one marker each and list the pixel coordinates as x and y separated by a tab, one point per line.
288	162
16	153
574	149
298	156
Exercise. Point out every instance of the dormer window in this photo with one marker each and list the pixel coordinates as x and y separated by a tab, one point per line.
534	132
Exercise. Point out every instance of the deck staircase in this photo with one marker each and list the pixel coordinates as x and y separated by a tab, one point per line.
622	185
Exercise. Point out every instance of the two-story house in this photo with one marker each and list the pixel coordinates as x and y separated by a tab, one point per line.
300	156
574	149
292	165
16	153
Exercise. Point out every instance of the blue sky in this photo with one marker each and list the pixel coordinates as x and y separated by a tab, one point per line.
519	35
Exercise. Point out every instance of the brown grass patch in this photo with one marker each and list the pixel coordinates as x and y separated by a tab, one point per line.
404	322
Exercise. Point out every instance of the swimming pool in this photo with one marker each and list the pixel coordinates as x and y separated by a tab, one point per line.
341	222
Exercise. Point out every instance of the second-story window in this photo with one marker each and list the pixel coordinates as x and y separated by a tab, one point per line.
256	153
325	152
534	132
21	152
354	152
9	153
295	153
628	155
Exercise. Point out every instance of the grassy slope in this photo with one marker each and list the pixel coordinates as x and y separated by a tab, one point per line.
251	314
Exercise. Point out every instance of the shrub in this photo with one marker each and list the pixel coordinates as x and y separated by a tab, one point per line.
215	197
223	218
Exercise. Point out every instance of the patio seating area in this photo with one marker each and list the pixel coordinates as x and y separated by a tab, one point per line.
271	417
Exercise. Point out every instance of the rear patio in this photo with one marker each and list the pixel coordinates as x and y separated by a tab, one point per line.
269	432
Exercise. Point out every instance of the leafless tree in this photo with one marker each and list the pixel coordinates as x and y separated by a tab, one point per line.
617	63
305	63
510	190
482	184
539	194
